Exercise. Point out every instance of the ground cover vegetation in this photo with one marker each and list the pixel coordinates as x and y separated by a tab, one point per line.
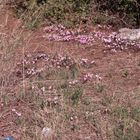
64	75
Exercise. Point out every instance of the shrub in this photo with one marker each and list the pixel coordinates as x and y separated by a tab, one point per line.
73	12
55	11
127	10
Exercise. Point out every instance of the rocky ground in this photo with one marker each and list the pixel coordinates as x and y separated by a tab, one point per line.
67	84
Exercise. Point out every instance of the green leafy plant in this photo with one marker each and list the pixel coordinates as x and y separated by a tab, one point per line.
74	12
68	12
128	11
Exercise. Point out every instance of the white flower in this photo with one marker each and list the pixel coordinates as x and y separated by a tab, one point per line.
17	113
98	77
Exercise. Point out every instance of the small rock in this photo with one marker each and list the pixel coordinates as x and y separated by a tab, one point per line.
129	34
46	132
9	138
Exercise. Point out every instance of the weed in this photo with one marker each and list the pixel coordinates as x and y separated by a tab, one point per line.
126	127
135	113
100	88
73	95
139	64
74	71
121	112
76	96
106	100
86	101
125	73
64	85
126	131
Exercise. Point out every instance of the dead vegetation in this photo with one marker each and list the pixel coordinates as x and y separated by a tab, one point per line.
66	90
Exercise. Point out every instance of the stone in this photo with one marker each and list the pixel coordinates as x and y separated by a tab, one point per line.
47	132
129	34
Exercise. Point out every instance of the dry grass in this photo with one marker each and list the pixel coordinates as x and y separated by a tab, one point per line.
64	96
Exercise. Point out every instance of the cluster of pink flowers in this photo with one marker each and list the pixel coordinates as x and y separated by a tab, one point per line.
30	65
60	33
115	43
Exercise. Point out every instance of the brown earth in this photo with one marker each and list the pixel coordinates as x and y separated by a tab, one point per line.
119	72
